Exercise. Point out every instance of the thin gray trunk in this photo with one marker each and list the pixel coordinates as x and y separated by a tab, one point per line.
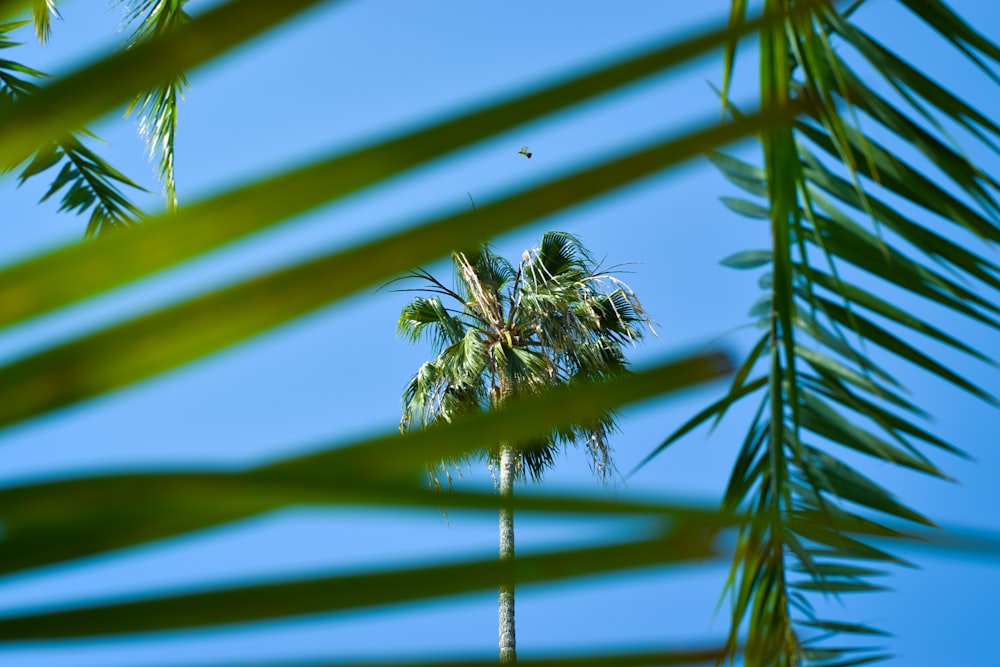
506	608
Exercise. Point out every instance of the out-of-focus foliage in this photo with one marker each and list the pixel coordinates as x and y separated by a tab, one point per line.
793	503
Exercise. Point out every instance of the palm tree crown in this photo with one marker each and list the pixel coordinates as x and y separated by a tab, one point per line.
510	331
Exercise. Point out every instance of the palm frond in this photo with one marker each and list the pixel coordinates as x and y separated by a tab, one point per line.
89	183
789	471
42	13
156	107
422	314
559	254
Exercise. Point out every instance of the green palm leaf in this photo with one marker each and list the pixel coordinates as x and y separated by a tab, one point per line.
157	107
89	183
787	467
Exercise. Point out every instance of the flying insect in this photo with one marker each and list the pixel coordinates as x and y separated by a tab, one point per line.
525	152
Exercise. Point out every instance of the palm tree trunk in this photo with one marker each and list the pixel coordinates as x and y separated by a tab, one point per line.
508	653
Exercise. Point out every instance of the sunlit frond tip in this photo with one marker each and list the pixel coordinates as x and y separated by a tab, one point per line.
157	108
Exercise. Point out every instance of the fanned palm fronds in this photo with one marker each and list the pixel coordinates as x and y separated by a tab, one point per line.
825	188
508	331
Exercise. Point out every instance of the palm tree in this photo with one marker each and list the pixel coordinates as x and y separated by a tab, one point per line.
510	333
870	174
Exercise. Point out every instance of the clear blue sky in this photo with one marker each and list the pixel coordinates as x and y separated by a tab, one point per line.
341	76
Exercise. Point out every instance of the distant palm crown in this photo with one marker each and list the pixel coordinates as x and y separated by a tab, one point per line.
555	318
